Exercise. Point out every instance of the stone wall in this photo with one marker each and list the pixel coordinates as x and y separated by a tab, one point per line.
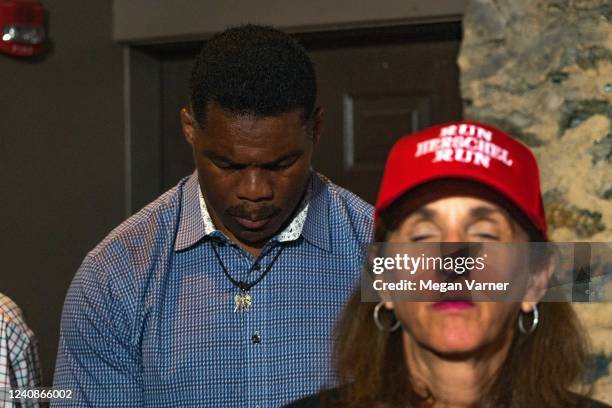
542	71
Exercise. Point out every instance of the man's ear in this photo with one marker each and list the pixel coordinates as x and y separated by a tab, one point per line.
188	125
317	125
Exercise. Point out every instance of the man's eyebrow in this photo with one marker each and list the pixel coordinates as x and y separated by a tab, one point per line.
219	157
216	156
290	155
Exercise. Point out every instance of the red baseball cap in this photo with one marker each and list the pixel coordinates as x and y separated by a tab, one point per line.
468	151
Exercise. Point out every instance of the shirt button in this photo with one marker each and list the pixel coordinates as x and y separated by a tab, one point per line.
256	338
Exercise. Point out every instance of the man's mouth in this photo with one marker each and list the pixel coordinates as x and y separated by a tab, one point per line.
252	224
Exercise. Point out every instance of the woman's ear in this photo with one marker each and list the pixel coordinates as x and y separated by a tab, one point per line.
539	281
387	300
527	307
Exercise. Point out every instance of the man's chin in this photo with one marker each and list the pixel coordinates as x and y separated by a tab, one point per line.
255	234
253	238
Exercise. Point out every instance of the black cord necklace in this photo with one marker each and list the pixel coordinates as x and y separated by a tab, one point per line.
243	300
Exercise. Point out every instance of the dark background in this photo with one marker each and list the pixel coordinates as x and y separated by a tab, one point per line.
61	161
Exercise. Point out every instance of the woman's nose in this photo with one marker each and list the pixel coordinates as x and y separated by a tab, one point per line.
453	235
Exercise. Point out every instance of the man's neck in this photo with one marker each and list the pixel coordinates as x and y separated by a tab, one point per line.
452	382
253	249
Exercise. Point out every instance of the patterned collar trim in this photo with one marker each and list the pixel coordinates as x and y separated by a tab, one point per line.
290	233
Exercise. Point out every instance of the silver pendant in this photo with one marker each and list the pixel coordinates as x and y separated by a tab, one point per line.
242	301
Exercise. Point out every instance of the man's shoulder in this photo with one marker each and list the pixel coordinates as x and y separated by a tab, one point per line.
342	199
122	266
142	236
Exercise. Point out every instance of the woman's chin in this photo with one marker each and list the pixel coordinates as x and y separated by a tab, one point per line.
453	346
456	338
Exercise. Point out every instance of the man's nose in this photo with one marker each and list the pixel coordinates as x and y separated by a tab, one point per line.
255	185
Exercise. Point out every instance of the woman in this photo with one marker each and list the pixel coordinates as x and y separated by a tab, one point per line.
462	182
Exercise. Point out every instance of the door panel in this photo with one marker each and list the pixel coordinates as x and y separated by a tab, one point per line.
372	95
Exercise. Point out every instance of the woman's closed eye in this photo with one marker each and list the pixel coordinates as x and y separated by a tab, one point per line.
424	231
484	230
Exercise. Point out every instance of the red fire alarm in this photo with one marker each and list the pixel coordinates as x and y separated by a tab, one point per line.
22	30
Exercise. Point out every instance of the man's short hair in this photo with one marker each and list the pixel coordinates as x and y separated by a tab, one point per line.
253	70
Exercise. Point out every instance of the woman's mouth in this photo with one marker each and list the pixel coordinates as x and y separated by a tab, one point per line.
453	306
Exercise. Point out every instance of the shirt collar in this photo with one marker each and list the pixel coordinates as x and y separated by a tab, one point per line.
290	233
195	222
191	227
317	224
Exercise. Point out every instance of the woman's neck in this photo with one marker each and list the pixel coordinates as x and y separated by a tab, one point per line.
453	381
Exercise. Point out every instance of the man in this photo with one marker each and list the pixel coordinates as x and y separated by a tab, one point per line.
19	364
223	291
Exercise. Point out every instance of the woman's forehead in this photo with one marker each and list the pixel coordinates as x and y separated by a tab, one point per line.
459	204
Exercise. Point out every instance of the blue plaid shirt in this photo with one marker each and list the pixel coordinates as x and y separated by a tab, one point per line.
149	318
